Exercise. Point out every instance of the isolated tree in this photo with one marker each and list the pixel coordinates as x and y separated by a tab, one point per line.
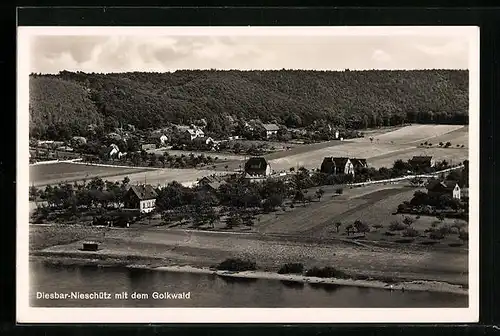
349	229
319	193
408	221
33	193
162	160
337	226
361	227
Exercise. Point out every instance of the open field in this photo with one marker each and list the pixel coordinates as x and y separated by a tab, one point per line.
313	159
69	172
411	134
398	144
451	155
58	172
318	218
163	176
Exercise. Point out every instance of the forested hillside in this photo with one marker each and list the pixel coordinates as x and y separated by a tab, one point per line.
59	108
348	99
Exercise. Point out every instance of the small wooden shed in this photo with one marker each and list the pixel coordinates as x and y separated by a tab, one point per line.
90	246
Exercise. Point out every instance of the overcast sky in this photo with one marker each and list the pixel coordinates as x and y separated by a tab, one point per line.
51	54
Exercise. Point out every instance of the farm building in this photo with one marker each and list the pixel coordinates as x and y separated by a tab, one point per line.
337	165
190	132
141	197
205	143
210	179
421	162
257	167
359	163
270	129
158	139
438	188
212	182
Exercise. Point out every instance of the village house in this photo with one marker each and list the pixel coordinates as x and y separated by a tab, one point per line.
158	138
112	151
141	197
359	163
270	129
337	165
257	167
438	188
211	182
421	162
205	143
189	133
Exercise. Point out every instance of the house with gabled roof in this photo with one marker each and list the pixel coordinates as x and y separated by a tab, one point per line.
270	129
211	182
437	188
359	163
141	197
256	167
337	165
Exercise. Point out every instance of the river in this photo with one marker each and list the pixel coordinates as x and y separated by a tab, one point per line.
201	290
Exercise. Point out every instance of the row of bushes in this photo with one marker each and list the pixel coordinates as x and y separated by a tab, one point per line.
241	265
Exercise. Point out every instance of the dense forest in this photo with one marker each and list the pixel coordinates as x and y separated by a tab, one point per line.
69	101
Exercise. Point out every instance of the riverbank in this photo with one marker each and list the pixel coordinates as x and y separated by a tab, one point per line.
152	265
425	269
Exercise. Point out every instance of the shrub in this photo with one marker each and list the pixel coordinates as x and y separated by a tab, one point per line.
237	265
339	191
408	221
291	268
410	232
397	226
463	235
361	227
436	235
445	229
326	272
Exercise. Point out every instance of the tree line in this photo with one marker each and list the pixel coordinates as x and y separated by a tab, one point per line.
65	103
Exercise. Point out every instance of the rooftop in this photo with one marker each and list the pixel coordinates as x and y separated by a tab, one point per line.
143	192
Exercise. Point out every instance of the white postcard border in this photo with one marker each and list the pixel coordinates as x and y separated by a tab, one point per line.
27	314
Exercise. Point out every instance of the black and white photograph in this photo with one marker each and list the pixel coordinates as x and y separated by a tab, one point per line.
248	174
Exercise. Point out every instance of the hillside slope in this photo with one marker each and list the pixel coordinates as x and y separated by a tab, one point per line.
59	108
351	99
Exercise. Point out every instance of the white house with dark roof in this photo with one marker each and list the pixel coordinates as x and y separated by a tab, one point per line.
141	197
257	167
271	129
337	165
